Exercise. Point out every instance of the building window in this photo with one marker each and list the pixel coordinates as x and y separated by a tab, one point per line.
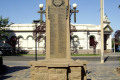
29	36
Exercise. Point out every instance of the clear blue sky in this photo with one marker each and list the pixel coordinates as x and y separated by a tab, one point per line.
25	11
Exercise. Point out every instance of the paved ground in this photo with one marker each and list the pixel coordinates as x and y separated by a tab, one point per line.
107	71
20	70
95	71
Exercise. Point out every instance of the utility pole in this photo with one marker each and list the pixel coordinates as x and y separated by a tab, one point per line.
102	32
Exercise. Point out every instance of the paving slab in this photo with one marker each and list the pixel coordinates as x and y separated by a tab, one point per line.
16	73
20	70
106	71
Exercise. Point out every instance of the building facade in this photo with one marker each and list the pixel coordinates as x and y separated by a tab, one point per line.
85	39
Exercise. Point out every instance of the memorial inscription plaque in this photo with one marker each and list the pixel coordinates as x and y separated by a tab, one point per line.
57	16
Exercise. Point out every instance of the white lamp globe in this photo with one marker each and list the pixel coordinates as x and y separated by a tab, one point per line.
74	5
41	6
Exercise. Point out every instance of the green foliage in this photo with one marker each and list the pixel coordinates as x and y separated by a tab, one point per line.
117	37
31	54
25	54
40	30
112	44
3	23
85	55
117	40
44	55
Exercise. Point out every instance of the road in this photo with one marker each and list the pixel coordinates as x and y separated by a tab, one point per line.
32	58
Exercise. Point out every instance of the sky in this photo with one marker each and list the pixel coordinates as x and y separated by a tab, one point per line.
25	11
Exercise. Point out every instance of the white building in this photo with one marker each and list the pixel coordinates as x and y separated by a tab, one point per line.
82	38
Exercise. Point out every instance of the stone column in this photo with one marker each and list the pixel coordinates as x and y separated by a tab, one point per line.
57	29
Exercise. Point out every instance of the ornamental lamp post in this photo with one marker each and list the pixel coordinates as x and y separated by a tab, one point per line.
74	8
41	15
41	6
75	5
41	12
74	11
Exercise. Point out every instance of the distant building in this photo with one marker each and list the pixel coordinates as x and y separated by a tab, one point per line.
82	38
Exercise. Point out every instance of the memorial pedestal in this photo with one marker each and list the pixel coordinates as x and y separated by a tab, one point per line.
58	69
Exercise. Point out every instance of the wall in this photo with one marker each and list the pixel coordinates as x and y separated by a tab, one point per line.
84	31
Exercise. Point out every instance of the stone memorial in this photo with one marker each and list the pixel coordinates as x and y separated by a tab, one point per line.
58	64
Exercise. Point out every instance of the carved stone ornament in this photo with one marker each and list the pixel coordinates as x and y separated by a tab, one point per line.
58	3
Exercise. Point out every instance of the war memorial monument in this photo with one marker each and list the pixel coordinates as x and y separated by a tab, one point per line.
58	64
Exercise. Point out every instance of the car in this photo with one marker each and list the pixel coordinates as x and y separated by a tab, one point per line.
5	48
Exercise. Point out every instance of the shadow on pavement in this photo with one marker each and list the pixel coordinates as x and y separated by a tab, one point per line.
106	58
10	72
5	77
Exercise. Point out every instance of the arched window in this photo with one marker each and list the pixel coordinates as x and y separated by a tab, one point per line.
92	40
20	36
29	36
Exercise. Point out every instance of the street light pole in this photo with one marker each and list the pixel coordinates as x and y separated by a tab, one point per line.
74	8
36	43
41	14
36	21
36	30
74	11
102	33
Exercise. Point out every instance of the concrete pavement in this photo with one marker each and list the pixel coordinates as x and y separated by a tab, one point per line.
20	70
106	71
16	73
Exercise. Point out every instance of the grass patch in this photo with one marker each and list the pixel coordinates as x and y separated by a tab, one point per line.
117	52
24	55
30	55
85	55
44	55
71	55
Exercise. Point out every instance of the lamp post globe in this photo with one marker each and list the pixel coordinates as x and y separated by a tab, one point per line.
74	5
41	6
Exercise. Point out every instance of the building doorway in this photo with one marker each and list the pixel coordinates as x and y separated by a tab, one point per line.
105	41
92	40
